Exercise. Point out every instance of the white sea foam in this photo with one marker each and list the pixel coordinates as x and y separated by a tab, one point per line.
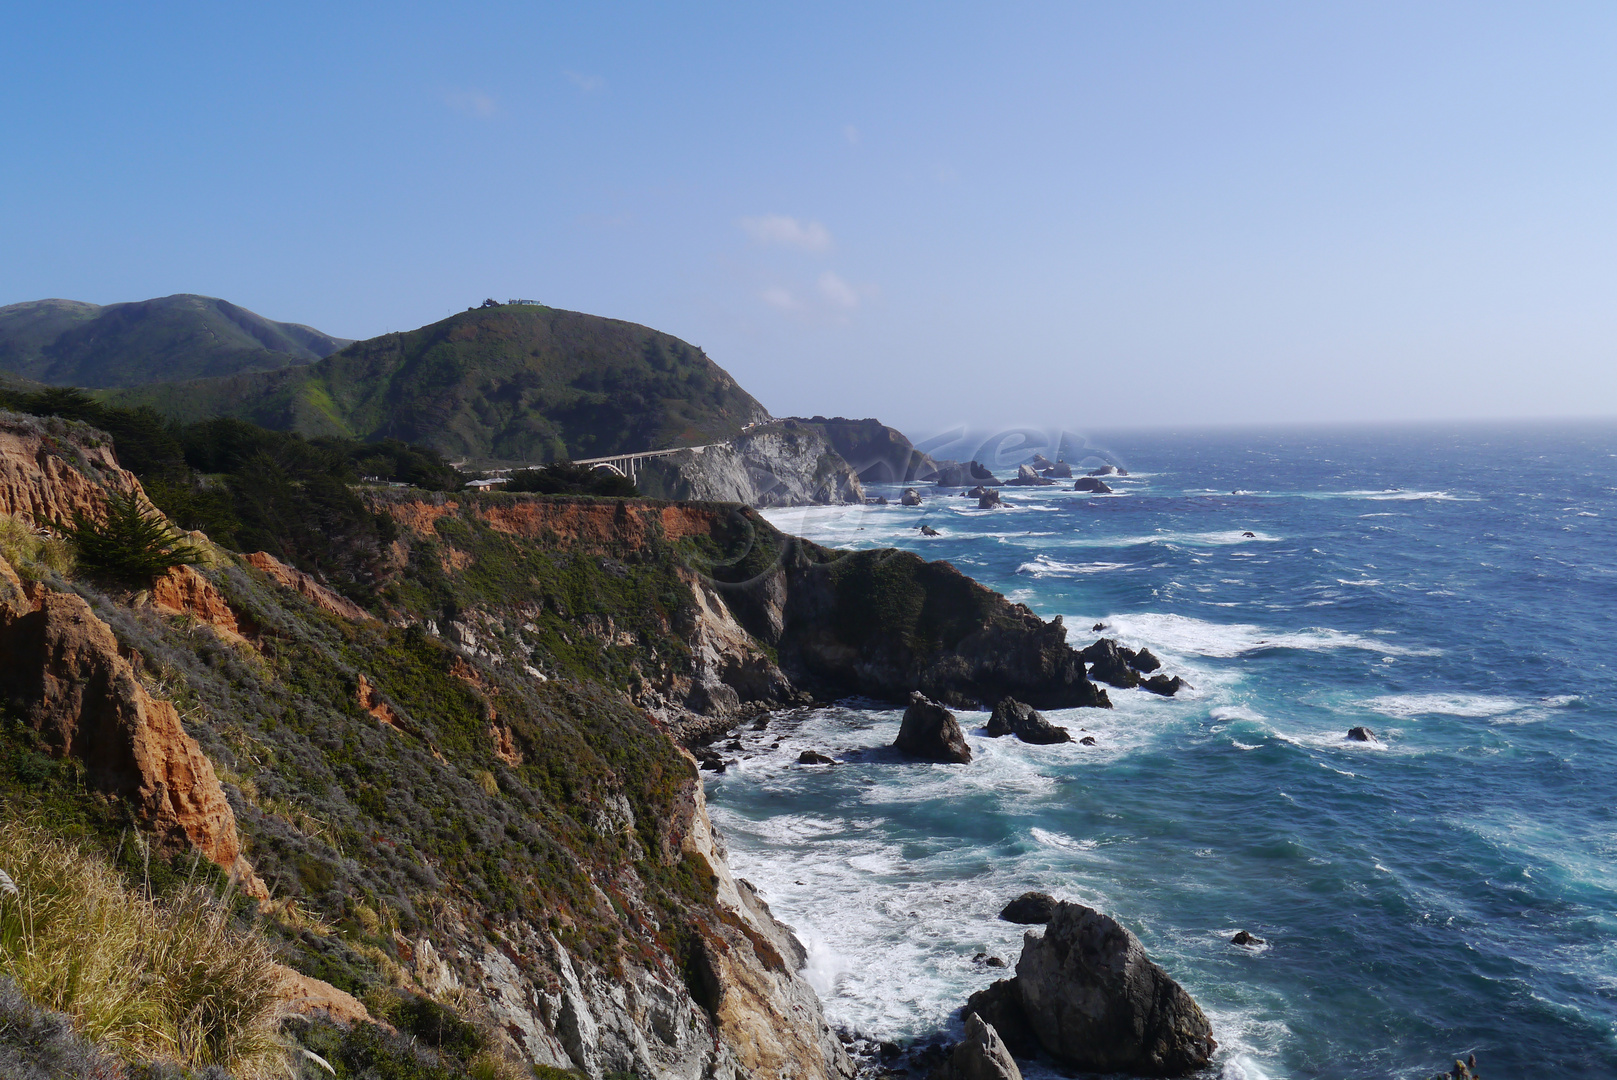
1044	566
1406	706
1186	636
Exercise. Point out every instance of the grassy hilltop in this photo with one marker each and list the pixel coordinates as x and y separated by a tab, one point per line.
503	383
172	337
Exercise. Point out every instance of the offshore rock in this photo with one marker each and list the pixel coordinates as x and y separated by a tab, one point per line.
1011	717
1162	684
981	1055
784	463
1109	663
1030	907
1059	471
1026	477
1090	484
1144	662
931	733
1096	1001
911	498
989	500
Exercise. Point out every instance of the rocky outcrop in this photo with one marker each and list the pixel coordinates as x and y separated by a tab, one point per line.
1030	907
1092	485
1087	994
911	497
1144	661
66	677
988	499
981	1055
1361	734
1109	663
779	464
1027	477
954	474
1164	685
184	591
307	587
1011	717
51	469
310	997
878	454
931	733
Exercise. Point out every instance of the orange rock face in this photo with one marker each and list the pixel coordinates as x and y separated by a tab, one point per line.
301	583
45	477
371	703
76	690
183	591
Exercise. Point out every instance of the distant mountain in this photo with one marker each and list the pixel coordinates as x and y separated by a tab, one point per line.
174	337
513	383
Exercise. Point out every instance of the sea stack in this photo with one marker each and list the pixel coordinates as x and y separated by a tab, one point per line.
931	733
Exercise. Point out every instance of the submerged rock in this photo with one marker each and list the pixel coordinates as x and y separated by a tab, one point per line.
1087	740
927	530
1104	470
1094	1000
1029	908
1361	734
1243	938
931	733
1089	483
814	757
1011	717
981	1055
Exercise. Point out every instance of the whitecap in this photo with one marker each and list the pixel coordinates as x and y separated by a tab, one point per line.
1405	706
1185	635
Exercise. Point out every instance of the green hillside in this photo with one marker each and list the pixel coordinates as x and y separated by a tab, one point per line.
503	383
172	337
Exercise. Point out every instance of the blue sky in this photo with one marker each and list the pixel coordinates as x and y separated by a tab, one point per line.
1077	215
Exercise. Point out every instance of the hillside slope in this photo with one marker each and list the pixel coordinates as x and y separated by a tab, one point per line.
172	337
513	383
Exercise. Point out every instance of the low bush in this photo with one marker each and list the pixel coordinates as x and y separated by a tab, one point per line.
565	478
169	980
30	553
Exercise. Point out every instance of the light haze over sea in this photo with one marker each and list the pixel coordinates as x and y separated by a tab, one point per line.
1448	888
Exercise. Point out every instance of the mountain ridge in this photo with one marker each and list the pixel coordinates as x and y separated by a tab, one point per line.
183	336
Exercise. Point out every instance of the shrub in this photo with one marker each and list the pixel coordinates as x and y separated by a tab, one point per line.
131	543
565	478
173	979
30	554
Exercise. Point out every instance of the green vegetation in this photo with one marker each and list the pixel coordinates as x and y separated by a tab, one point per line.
132	544
565	478
172	978
31	554
173	337
251	489
509	383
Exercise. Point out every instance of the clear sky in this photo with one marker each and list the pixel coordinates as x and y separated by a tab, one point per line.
1084	215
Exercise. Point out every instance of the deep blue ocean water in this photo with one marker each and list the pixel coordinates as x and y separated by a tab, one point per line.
1448	889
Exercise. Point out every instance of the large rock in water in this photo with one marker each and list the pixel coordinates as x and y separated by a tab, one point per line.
1011	717
981	1055
1090	484
1030	907
1109	662
930	732
1094	1000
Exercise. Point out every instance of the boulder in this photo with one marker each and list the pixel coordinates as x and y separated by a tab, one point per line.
1109	662
1059	471
1094	1000
931	733
1243	938
1041	462
911	497
981	1055
989	499
1000	1006
1011	717
1104	470
1145	662
1361	734
814	757
1161	684
1087	740
927	530
1029	908
1090	484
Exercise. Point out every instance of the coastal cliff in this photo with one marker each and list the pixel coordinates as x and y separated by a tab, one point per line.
783	463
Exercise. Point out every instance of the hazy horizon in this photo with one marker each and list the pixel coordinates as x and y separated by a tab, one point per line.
1104	217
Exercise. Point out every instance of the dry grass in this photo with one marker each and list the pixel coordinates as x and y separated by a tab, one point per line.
168	980
32	554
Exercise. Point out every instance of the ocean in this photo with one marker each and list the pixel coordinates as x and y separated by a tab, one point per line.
1449	888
